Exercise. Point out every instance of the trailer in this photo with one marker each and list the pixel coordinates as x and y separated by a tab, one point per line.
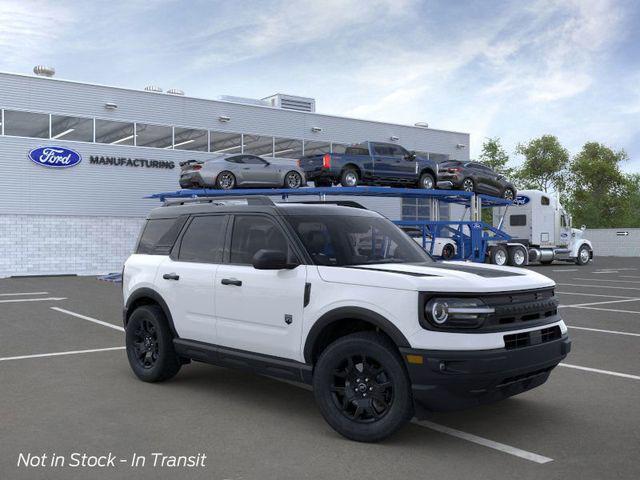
474	239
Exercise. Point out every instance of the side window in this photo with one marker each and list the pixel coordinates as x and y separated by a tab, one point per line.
238	159
381	149
517	220
252	233
203	241
159	235
544	201
253	160
398	151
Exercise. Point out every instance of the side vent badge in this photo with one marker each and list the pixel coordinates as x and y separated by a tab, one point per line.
288	319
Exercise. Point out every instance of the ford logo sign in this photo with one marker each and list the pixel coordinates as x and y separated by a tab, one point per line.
55	157
521	200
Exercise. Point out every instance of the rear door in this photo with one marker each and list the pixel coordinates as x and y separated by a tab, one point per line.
259	310
384	161
186	279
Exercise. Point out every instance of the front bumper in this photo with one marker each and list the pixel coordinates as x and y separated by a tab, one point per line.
452	380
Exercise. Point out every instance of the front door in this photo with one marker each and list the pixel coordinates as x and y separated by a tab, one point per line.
258	171
186	280
259	310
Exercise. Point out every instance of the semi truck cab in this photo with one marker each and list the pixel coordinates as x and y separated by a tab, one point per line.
538	221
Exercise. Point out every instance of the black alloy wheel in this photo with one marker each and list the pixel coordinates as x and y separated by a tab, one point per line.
361	389
448	251
149	345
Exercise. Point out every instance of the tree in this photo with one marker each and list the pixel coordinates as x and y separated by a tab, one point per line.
545	164
494	156
600	194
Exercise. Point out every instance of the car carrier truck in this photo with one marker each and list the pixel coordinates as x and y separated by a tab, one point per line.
540	231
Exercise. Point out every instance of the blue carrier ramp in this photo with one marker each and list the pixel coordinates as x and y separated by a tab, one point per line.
472	237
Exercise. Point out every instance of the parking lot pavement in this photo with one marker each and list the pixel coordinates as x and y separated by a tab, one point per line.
583	423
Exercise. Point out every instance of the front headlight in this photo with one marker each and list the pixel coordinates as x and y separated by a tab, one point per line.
457	312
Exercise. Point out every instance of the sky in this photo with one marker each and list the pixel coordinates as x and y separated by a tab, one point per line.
509	69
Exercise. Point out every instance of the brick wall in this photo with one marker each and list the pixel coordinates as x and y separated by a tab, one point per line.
608	242
52	244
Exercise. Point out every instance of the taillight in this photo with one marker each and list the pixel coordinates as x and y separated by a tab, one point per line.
196	167
454	170
298	162
326	161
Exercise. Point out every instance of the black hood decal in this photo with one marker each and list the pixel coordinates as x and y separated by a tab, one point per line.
411	274
481	272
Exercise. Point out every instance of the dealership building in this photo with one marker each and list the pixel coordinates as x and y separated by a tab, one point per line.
84	219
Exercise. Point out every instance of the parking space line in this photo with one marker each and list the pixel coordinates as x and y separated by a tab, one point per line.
23	293
597	370
57	354
592	295
566	270
608	309
597	286
629	276
533	457
592	303
607	280
17	300
615	332
89	319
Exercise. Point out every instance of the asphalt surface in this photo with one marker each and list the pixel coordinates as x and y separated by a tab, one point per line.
581	424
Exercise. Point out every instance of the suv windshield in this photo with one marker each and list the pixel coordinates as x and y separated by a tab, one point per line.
342	240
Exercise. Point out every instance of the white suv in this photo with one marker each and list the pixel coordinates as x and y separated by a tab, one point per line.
339	298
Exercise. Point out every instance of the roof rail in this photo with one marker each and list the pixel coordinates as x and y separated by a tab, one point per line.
226	200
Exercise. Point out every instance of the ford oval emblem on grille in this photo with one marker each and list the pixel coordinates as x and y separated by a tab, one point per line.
55	157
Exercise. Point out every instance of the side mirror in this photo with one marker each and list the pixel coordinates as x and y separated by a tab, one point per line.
271	260
410	156
583	228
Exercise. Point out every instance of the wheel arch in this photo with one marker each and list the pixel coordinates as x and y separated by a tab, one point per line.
354	166
344	320
147	296
430	171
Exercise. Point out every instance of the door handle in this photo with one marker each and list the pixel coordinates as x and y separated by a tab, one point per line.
171	276
231	281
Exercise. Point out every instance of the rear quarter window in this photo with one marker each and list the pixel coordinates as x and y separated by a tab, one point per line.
159	235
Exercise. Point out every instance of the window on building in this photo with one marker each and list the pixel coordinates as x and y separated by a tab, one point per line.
517	220
316	148
26	124
157	136
252	233
190	139
438	157
338	148
71	128
113	132
287	148
258	145
204	240
222	142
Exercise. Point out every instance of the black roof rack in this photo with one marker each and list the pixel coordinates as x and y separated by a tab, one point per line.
340	203
227	200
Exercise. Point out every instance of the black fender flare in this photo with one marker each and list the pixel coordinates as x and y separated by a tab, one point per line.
351	313
429	170
145	292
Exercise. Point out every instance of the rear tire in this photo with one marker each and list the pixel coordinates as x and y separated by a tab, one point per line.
349	177
468	185
225	180
362	388
149	345
517	257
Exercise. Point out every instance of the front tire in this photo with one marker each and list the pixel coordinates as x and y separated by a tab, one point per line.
362	388
584	255
149	345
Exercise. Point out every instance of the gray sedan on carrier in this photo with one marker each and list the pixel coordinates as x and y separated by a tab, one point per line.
241	170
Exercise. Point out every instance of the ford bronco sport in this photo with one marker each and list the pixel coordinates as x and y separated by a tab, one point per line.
339	298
